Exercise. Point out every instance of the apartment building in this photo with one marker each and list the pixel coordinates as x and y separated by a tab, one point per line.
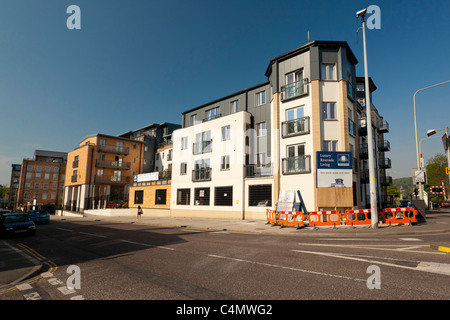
41	180
14	184
234	155
101	170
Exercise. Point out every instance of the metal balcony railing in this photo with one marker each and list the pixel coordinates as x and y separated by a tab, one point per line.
112	179
114	149
294	165
202	147
295	127
255	170
203	174
294	90
113	164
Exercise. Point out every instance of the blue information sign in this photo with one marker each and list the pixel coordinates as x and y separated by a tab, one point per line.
334	160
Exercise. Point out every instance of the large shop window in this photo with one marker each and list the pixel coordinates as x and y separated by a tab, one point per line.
139	197
201	196
183	196
223	196
260	195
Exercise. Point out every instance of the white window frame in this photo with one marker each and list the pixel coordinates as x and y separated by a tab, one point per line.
184	143
327	114
226	133
225	163
260	98
326	73
329	145
261	129
234	106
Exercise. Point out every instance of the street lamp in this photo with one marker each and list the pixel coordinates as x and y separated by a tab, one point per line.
446	142
372	184
415	126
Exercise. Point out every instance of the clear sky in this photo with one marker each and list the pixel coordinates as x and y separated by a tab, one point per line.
136	62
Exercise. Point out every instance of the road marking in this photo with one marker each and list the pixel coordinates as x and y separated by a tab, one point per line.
384	247
77	298
410	239
64	229
431	267
287	268
55	281
92	234
32	296
147	245
24	286
65	291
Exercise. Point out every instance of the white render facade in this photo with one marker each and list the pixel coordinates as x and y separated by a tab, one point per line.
234	155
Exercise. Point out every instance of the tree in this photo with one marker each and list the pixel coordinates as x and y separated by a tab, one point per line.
436	172
3	191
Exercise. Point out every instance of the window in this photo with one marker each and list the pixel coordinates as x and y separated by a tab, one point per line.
193	119
183	168
329	145
36	185
328	71
201	196
184	143
26	196
44	196
260	159
260	98
226	133
261	129
120	146
101	157
47	169
223	196
55	177
38	175
213	113
55	169
29	175
295	113
183	196
234	106
27	185
203	143
103	142
260	195
328	111
139	197
38	168
29	168
225	163
160	196
100	172
47	176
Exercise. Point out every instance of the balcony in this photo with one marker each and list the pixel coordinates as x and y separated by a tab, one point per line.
362	126
112	179
294	90
384	145
363	151
256	171
364	176
114	149
295	127
296	165
203	174
385	163
383	126
113	164
202	147
386	181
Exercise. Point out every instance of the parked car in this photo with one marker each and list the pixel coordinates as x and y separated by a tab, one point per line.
16	224
445	204
116	204
39	216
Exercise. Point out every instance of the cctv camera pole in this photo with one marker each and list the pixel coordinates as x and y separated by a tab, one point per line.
372	184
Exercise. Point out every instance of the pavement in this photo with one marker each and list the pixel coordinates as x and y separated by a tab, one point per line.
17	264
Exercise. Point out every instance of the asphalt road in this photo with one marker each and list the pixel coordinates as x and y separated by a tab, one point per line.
128	261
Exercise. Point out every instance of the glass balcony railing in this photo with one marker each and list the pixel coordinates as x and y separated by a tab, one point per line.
202	147
293	165
295	127
202	174
293	90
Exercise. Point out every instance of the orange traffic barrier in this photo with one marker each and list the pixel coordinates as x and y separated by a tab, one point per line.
406	215
357	217
324	218
291	219
272	216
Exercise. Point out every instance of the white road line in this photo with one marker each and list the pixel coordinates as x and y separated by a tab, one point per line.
24	286
384	247
64	229
431	267
147	245
287	268
93	234
65	291
32	296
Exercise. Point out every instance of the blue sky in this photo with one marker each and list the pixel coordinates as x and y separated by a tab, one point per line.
136	62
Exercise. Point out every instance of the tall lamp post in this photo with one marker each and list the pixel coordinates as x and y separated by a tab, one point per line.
372	183
415	126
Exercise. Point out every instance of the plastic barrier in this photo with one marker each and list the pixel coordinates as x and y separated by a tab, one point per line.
406	215
324	218
291	219
272	216
357	217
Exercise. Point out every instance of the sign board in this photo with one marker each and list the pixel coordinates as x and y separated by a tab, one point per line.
334	169
437	190
419	176
144	177
286	200
447	170
445	141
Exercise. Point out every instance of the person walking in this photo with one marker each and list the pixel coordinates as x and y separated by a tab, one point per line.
139	213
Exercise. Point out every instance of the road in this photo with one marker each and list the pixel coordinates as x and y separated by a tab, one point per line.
128	261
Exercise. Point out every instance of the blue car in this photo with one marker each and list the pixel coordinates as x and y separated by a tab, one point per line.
39	216
16	224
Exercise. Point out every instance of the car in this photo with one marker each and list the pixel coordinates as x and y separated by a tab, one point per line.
39	216
115	204
445	204
16	224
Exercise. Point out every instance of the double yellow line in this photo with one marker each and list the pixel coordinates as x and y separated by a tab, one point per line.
51	265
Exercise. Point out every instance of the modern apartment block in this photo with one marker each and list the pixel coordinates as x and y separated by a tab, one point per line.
101	170
42	180
14	184
234	155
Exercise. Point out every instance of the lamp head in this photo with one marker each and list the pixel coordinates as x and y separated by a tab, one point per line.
431	132
361	13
